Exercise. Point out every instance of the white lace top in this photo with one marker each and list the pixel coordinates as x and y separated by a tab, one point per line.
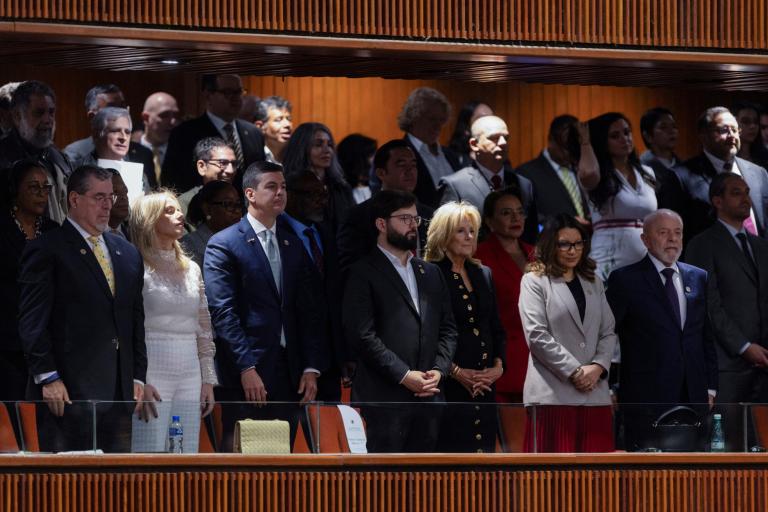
175	306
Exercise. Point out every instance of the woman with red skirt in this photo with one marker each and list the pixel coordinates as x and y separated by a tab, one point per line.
506	255
569	328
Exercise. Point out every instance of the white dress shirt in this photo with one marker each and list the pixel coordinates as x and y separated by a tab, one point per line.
219	124
406	274
437	165
718	165
161	148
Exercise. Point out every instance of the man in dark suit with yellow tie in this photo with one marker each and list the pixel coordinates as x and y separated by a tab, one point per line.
81	323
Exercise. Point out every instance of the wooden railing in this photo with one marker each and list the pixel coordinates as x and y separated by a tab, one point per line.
612	482
722	24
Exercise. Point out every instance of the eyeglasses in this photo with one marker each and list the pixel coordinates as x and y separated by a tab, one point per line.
230	206
39	189
103	198
565	246
231	92
726	130
407	219
222	164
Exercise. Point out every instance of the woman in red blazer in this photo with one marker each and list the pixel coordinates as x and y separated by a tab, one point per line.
507	256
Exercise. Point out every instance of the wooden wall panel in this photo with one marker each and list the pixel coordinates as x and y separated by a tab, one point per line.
607	490
730	24
370	105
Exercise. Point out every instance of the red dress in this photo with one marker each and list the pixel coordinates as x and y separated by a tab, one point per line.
506	280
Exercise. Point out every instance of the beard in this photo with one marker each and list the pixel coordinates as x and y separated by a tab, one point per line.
405	242
40	138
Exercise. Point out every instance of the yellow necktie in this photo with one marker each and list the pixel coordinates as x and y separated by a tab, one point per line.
103	263
569	180
156	162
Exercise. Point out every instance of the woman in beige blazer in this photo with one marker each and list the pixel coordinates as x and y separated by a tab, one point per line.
569	329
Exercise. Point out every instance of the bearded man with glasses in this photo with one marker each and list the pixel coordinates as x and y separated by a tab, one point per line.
398	321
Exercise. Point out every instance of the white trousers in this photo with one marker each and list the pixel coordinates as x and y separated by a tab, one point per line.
173	368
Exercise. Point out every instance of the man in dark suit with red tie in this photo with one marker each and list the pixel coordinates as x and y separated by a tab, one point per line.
307	201
490	171
660	307
223	97
81	323
737	297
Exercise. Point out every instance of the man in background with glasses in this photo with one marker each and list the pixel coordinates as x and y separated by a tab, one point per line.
215	160
720	139
398	322
223	96
81	323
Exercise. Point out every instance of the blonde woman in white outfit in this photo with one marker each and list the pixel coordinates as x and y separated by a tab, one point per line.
180	350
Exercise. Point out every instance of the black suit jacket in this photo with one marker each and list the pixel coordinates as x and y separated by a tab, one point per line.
388	334
70	322
696	177
426	188
179	170
357	234
737	292
551	195
141	155
328	290
669	189
13	242
469	184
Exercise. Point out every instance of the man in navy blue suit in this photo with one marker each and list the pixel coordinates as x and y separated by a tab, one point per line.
81	323
660	306
260	292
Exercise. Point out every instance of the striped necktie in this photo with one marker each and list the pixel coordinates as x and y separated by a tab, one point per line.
232	141
103	263
569	180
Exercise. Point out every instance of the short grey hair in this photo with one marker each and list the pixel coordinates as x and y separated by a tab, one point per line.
707	118
651	218
107	114
277	102
417	103
6	94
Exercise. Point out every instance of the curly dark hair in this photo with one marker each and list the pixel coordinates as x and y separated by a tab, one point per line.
546	249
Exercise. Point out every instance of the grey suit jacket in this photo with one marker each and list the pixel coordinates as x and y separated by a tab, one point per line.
560	342
469	184
737	296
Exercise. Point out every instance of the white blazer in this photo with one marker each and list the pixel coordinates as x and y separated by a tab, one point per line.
560	342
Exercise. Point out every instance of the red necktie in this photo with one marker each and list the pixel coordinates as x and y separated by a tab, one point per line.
317	254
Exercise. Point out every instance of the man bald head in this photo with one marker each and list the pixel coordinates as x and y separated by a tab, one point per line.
663	235
488	142
160	115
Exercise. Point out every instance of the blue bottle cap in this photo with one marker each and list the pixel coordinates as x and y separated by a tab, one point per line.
176	418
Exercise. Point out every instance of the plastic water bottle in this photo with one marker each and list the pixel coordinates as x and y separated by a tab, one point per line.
176	436
718	441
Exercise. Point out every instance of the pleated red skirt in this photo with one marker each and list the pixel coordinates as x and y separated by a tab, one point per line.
569	429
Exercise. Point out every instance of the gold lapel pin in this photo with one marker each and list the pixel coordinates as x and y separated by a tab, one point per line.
421	269
285	242
687	289
82	251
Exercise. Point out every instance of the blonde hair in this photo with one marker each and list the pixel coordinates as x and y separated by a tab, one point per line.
145	212
443	226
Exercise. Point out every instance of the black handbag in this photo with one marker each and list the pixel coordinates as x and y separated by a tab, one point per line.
677	430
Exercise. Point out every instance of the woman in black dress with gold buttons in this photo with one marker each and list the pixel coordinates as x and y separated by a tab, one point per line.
478	362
